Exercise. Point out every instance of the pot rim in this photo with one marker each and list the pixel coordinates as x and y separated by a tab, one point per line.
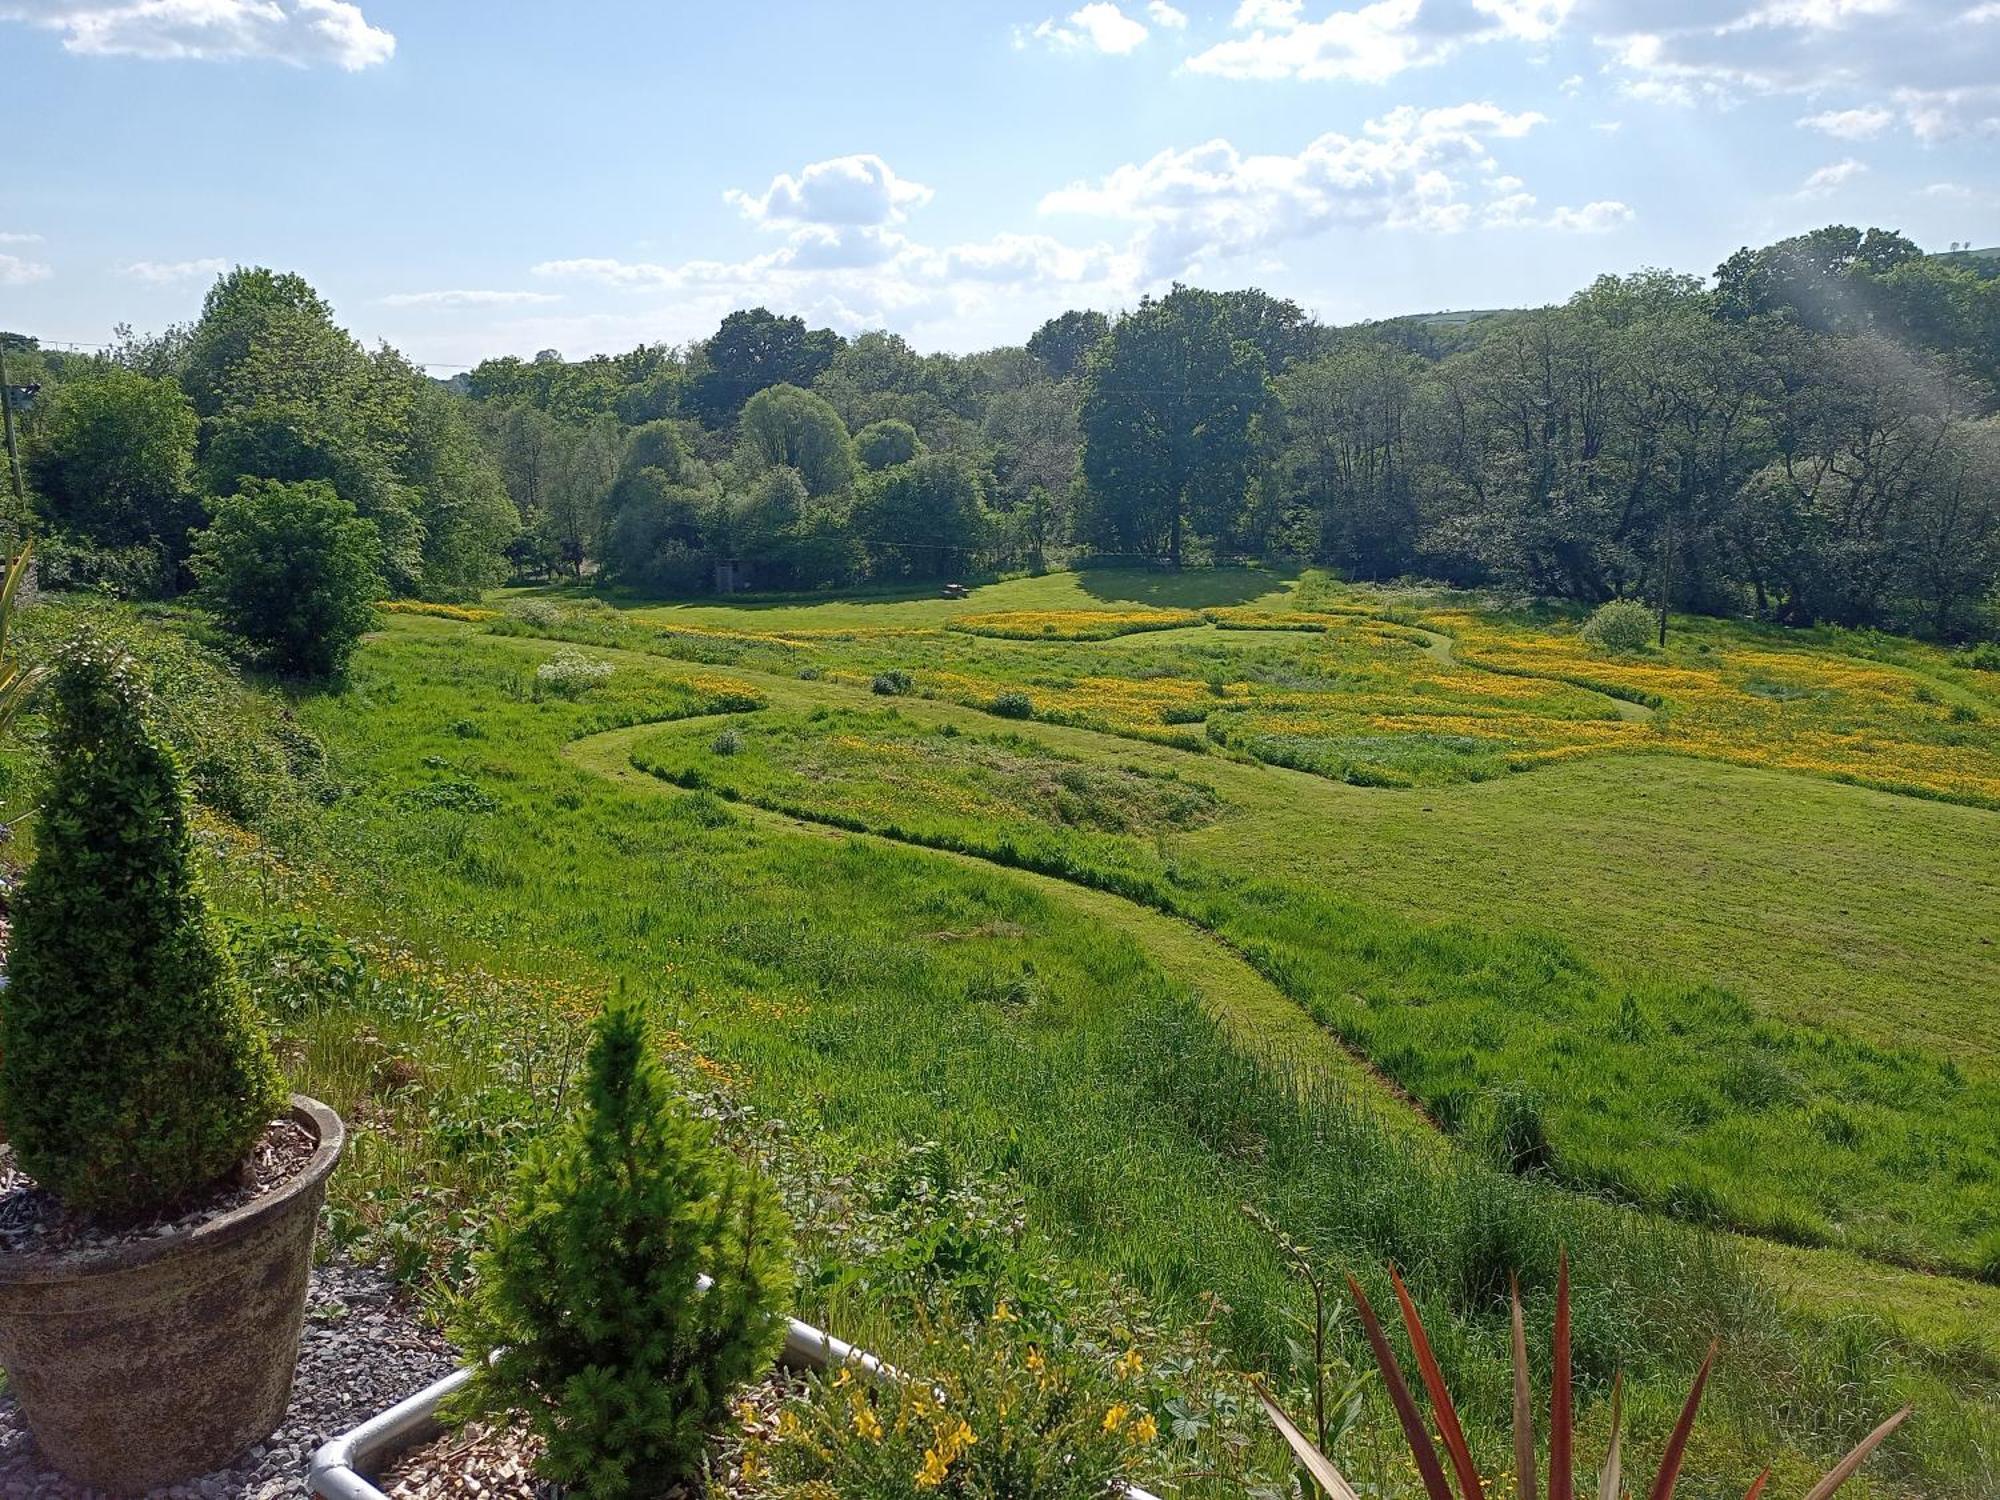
28	1267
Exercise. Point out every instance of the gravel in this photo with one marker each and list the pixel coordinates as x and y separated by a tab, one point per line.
363	1351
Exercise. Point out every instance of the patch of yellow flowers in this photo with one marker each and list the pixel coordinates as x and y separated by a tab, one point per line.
1536	695
995	1404
1072	624
469	614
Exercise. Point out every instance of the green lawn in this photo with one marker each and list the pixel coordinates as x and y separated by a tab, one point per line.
924	604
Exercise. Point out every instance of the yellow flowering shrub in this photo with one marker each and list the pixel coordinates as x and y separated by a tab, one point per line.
1072	624
726	695
996	1409
468	613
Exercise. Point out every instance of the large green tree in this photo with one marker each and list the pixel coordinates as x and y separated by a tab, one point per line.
754	349
1169	403
293	570
922	519
788	428
1064	342
286	394
113	461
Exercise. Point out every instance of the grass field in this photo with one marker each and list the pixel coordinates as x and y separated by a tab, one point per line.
1819	1086
1068	996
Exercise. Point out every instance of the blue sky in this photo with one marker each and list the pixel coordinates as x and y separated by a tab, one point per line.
475	179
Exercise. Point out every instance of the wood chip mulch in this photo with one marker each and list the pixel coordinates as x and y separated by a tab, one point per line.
481	1461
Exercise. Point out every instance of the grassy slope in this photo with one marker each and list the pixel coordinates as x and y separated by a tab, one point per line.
916	998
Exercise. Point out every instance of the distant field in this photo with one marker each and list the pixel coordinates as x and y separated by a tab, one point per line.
1817	902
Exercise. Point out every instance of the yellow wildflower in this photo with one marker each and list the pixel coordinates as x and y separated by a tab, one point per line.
1115	1415
1142	1431
867	1425
1130	1365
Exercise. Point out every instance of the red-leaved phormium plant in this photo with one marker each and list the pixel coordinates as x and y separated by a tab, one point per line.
1562	1432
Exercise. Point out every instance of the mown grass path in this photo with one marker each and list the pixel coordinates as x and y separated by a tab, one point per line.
1945	1315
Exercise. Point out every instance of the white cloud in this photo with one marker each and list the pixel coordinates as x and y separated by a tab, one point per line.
467	298
933	292
1097	27
1370	43
1430	170
1933	65
300	32
856	190
1518	210
1593	218
165	273
1165	15
16	238
15	271
1828	179
1207	210
1851	124
1960	193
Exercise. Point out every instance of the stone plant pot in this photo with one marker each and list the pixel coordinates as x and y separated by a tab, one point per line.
148	1361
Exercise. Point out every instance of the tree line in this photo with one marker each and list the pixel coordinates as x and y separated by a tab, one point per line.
1807	435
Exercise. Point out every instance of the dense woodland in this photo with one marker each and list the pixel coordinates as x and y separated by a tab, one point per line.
1809	436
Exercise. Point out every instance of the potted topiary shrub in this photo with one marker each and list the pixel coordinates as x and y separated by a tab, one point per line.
158	1199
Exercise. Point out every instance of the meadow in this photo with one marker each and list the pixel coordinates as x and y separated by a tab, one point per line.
1035	1005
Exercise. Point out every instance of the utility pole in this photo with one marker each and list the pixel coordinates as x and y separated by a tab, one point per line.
13	446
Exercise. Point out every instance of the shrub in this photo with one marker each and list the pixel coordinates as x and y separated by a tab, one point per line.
1985	657
1622	625
996	1411
589	1296
892	684
571	674
541	613
1013	705
293	570
728	742
132	1069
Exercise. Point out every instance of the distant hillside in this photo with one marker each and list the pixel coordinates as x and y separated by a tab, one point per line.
1457	319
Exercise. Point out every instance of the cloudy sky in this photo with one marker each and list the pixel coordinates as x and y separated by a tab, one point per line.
474	177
